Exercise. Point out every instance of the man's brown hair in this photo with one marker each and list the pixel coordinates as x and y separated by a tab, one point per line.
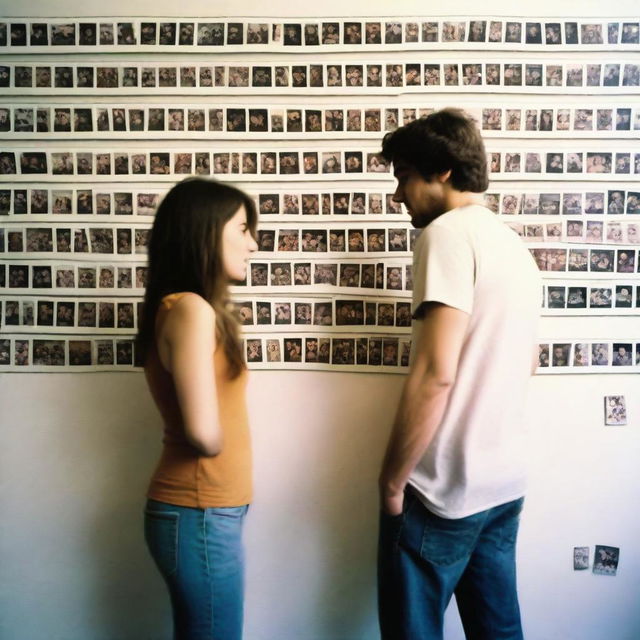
445	140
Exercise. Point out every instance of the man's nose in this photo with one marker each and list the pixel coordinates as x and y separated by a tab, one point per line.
397	196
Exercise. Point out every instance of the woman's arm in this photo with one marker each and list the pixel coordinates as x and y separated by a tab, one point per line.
186	343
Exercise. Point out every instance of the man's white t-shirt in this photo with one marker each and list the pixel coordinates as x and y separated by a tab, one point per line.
468	259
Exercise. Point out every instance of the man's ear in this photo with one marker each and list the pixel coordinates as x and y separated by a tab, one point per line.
443	177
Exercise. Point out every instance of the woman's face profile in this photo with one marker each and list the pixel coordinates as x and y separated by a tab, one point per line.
237	245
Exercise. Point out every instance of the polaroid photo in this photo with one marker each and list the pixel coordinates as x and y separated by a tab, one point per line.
311	35
606	560
580	558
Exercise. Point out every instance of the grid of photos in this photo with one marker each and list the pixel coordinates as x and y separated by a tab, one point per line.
328	33
330	286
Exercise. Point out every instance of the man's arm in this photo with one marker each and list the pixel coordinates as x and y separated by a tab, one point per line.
424	398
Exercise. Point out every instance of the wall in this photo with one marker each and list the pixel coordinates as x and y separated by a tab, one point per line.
77	451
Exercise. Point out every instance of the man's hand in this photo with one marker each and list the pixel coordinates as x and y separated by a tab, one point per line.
391	503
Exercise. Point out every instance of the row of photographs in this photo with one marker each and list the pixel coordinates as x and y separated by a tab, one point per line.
53	351
346	352
150	32
483	76
86	314
572	230
123	241
393	275
115	241
601	164
570	355
574	202
603	298
101	121
41	200
605	559
599	260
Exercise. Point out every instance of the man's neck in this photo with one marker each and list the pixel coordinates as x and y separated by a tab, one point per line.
455	199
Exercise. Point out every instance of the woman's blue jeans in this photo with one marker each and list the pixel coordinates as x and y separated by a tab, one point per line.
424	559
200	555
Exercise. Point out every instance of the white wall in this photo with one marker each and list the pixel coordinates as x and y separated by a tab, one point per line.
77	451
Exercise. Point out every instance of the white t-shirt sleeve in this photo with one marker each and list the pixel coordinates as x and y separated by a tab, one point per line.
445	269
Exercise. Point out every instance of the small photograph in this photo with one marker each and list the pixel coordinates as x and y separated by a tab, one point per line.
560	355
343	351
260	76
555	163
373	33
292	34
18	35
167	33
432	74
106	78
611	77
374	75
267	163
86	278
239	76
24	77
512	75
393	33
394	76
625	261
513	32
599	354
34	162
293	349
533	75
38	35
234	33
580	558
622	355
624	296
471	74
598	162
280	274
316	77
453	31
126	33
533	33
411	32
311	35
43	78
622	163
147	33
605	562
591	34
330	33
49	352
556	298
354	75
630	33
554	75
477	31
451	75
576	298
574	75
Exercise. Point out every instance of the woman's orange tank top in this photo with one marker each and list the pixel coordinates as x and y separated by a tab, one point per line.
183	476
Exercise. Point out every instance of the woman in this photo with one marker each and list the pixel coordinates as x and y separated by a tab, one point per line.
202	237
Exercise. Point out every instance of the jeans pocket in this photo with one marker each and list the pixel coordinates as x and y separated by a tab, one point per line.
228	512
161	536
445	542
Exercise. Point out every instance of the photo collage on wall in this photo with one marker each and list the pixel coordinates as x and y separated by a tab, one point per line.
89	145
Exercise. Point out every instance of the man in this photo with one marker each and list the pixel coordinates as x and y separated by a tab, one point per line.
452	482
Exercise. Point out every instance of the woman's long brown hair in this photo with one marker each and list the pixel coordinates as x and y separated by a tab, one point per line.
185	254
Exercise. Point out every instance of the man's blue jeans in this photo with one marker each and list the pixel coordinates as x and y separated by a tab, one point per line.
200	555
424	559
